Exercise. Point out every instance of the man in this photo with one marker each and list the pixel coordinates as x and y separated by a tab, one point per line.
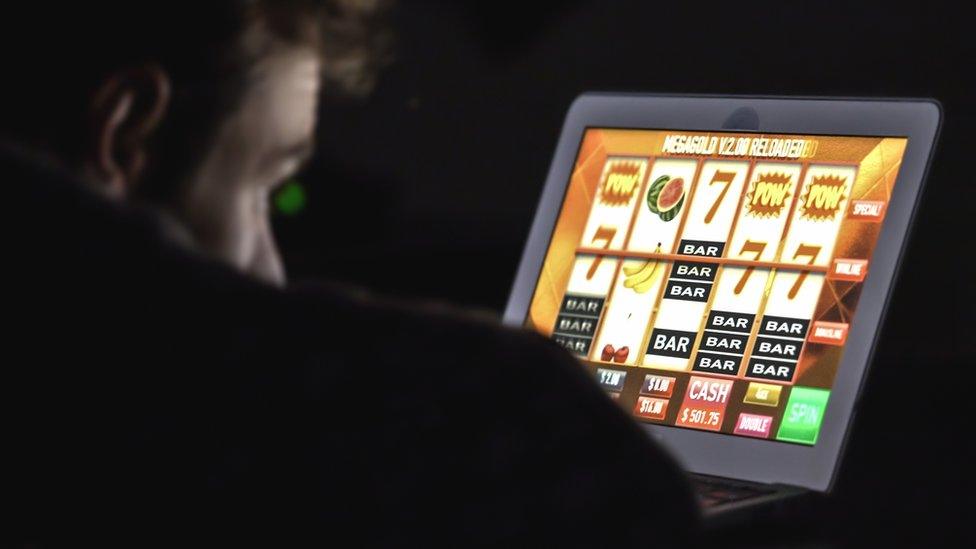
161	388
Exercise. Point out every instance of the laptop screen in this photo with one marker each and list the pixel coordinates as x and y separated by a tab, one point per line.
709	279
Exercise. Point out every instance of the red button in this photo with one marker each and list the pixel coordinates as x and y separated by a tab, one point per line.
867	210
853	270
828	333
651	408
659	386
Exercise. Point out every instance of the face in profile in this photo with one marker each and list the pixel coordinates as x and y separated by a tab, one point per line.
261	143
218	206
205	138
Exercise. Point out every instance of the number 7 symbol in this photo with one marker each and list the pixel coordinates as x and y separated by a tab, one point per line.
602	233
749	247
719	177
803	250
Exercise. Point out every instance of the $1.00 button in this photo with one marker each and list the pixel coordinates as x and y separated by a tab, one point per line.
659	386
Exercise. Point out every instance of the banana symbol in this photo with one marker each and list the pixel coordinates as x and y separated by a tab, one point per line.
641	278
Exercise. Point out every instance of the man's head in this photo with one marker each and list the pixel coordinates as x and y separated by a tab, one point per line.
198	111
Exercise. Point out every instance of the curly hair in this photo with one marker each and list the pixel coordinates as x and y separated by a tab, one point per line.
56	56
351	34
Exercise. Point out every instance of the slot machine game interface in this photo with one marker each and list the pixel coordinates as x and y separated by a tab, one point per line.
708	279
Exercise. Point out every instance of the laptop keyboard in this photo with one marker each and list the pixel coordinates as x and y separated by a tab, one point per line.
712	492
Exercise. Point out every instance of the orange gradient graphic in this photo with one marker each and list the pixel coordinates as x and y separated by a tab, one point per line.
857	207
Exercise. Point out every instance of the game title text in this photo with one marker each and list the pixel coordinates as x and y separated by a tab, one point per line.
758	147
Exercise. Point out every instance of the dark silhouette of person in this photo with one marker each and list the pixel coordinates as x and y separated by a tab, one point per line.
162	386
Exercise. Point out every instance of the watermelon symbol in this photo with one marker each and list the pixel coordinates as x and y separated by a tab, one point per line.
666	196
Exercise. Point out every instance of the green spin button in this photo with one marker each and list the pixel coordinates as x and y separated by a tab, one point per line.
803	415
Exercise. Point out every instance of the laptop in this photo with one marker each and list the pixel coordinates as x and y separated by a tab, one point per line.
722	266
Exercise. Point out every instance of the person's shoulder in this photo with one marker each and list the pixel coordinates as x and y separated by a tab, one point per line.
495	400
413	324
437	353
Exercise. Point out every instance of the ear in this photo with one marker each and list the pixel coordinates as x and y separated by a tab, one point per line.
124	114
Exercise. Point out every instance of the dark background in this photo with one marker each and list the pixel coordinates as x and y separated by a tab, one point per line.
428	188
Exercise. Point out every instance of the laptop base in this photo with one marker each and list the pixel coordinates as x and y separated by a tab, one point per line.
725	501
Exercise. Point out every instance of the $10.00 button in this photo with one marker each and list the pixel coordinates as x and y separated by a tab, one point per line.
651	408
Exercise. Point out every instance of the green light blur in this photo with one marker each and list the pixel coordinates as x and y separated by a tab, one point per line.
290	199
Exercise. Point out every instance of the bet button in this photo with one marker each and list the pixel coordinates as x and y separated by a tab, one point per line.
763	394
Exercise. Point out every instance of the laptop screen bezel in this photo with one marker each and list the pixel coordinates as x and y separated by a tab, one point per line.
765	461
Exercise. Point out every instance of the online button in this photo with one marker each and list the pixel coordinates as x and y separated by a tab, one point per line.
829	333
852	270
